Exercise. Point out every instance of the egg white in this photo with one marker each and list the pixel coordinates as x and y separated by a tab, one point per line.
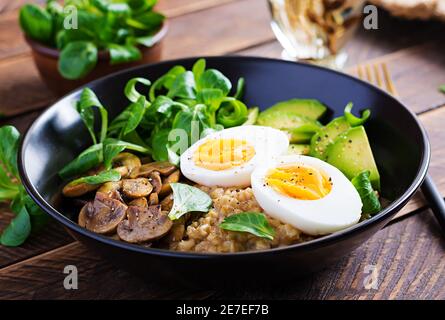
338	210
267	142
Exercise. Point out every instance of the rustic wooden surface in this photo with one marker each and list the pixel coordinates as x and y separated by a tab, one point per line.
408	254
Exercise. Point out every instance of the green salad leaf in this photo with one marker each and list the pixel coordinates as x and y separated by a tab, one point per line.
28	217
18	230
251	222
102	177
118	27
188	199
36	22
130	88
442	88
123	53
232	113
88	101
112	147
370	200
353	120
77	59
214	79
86	160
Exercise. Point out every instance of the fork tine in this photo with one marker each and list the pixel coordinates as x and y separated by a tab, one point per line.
368	73
360	72
388	80
377	76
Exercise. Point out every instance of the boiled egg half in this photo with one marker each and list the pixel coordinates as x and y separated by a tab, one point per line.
307	193
227	158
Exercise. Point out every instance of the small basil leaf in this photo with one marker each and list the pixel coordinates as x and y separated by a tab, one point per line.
85	161
188	199
353	120
130	89
251	222
123	54
214	79
77	59
371	203
18	230
102	177
36	22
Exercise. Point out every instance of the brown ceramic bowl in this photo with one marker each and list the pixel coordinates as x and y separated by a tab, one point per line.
46	60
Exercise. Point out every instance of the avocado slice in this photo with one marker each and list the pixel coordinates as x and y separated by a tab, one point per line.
326	135
252	116
300	128
351	153
299	149
309	108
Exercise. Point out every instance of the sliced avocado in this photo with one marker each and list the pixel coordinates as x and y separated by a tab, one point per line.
304	133
351	153
252	116
309	108
302	149
300	128
325	136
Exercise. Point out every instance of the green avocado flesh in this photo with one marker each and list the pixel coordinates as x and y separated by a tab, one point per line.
325	136
309	108
297	117
252	116
351	153
299	149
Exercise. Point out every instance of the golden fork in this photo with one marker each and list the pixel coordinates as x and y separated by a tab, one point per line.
377	74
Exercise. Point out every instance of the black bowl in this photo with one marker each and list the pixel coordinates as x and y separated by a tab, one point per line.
398	140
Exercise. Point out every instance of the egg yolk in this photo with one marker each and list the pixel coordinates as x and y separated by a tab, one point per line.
223	154
299	182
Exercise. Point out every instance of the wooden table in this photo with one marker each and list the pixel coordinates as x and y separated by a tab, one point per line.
409	253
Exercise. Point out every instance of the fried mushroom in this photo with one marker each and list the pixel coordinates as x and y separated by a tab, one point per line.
140	202
153	199
155	180
172	178
136	188
163	167
144	224
103	214
73	190
128	160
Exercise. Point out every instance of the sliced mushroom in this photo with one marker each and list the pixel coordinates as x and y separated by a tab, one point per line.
136	188
167	203
155	180
140	202
163	167
128	160
73	190
172	178
144	224
153	199
123	171
103	214
111	189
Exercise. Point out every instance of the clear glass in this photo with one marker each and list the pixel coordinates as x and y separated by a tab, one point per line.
315	30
